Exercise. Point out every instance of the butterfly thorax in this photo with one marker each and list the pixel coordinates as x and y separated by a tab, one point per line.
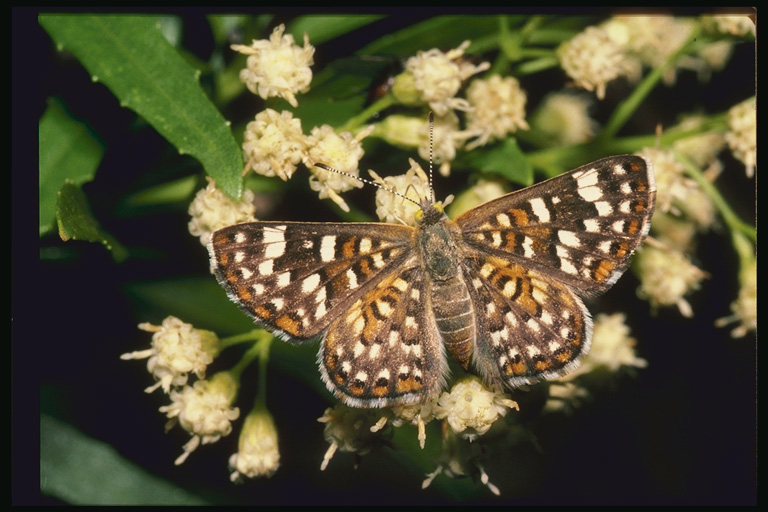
449	296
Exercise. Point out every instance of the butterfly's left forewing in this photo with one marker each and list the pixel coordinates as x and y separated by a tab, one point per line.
296	278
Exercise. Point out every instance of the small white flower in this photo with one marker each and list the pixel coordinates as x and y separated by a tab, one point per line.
446	139
458	459
564	119
274	144
498	109
612	346
403	131
674	231
350	430
744	308
735	25
178	349
742	134
701	149
277	66
653	39
212	210
417	415
440	147
434	78
713	56
565	396
471	409
394	209
341	151
592	59
204	410
673	187
699	208
257	452
666	276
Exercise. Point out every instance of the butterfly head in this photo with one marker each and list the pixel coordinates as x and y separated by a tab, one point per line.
429	212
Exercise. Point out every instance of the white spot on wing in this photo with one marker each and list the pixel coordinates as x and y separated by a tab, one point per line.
591	226
351	278
328	248
603	208
540	209
266	267
591	194
587	179
528	247
284	279
568	238
274	250
310	283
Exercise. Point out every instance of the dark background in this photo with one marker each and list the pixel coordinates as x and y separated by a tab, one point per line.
682	431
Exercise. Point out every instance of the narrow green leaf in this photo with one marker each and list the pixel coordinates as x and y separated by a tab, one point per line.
67	151
132	58
324	28
80	470
76	222
197	298
440	32
505	159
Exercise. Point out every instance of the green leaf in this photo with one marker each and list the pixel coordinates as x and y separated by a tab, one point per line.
76	222
132	58
442	32
198	299
80	470
324	28
67	151
504	159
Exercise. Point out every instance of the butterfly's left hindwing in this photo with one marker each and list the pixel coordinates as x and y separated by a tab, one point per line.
385	349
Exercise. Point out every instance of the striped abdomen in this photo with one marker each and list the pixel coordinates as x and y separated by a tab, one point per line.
454	317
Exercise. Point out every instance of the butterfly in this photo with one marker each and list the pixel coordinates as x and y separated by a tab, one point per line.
498	289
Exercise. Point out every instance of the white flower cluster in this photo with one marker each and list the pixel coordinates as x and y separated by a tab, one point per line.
742	134
212	210
178	349
205	409
624	45
277	66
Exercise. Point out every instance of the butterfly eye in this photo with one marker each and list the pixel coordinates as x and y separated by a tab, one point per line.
419	215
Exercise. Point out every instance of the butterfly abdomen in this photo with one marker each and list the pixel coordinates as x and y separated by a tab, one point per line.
454	318
450	300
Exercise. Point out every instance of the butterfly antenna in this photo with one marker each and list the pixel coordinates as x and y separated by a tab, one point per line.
431	149
367	181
